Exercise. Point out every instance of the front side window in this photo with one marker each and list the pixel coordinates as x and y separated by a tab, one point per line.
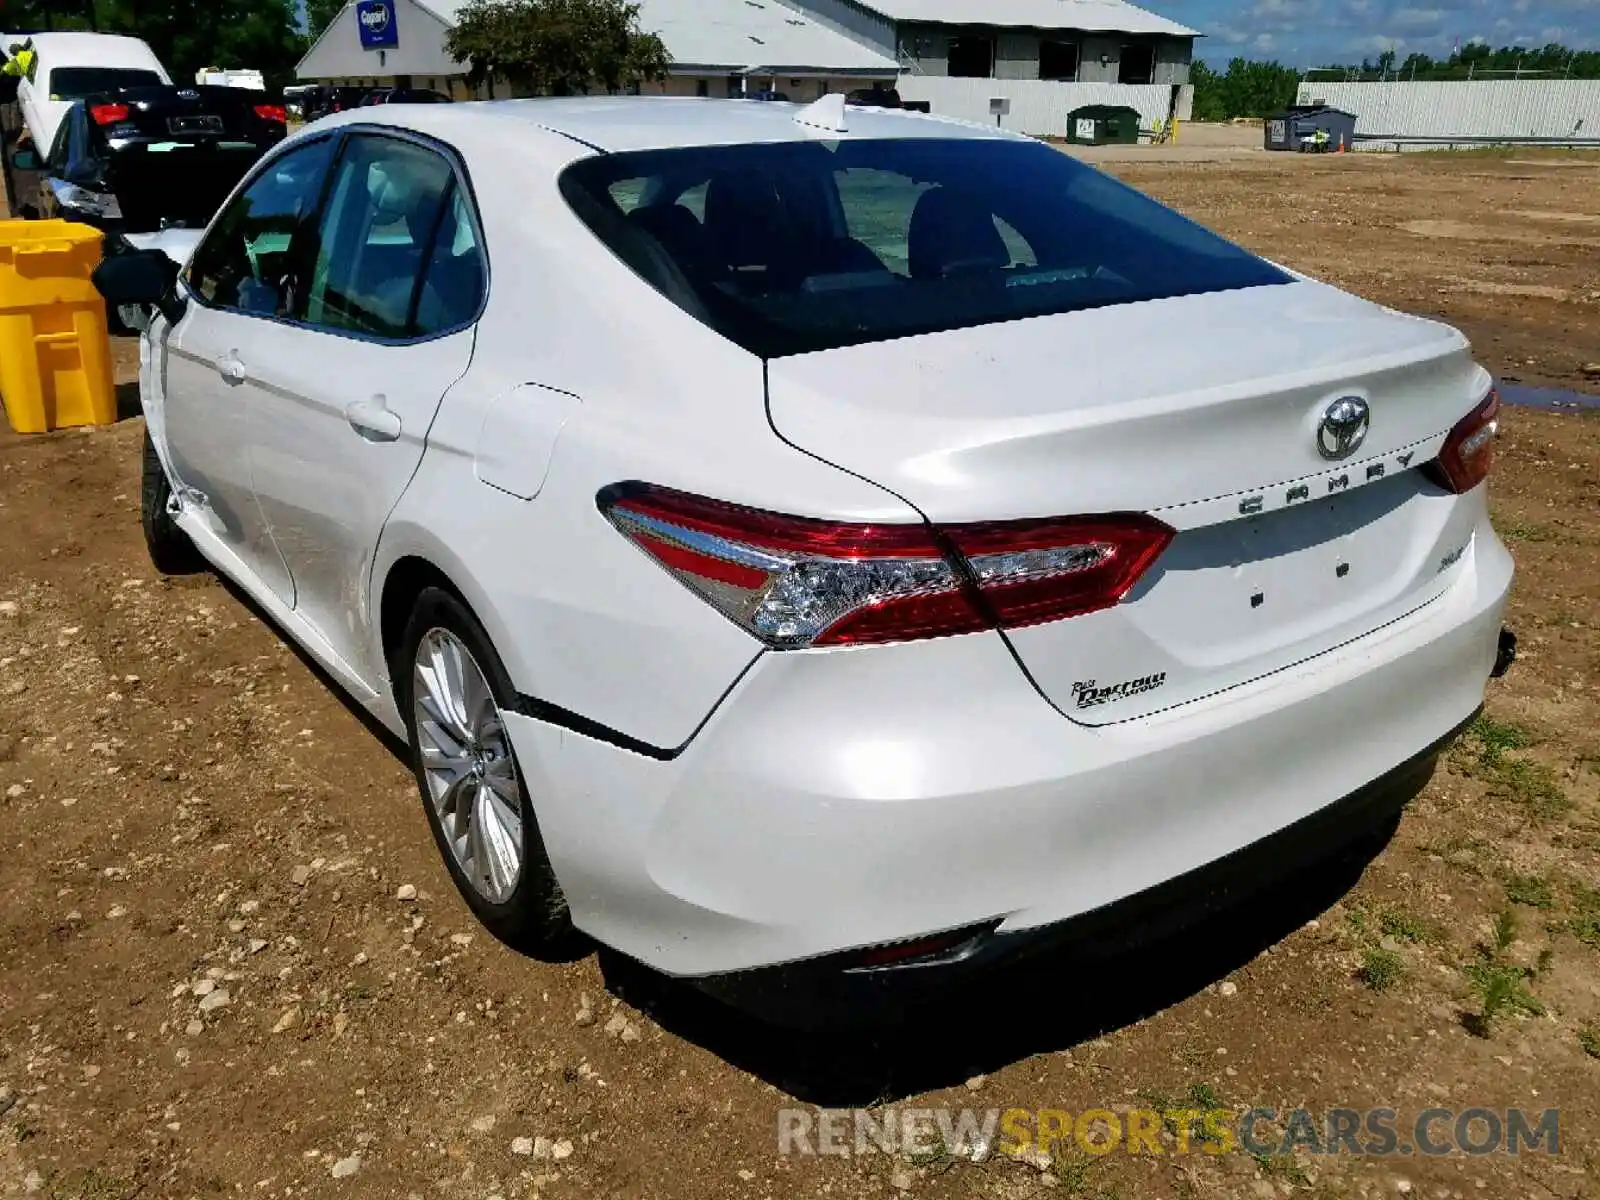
397	250
799	246
247	260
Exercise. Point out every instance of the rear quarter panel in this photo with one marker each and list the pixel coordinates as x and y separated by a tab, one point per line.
583	619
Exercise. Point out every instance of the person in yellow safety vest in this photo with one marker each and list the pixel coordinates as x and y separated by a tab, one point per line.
20	64
1320	140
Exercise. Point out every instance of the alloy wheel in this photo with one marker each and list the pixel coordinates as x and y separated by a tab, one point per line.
467	765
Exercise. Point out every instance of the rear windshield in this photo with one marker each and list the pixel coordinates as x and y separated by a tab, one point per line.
802	246
74	83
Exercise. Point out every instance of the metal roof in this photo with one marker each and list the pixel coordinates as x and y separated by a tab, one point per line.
739	33
1089	15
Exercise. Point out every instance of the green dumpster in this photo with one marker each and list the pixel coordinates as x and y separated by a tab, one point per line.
1103	125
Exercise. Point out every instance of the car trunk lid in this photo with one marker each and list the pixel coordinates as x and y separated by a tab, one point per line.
180	151
1204	411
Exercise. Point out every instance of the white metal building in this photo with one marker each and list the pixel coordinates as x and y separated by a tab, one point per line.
718	48
1064	41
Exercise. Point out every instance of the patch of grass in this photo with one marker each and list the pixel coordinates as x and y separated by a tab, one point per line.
1485	752
1494	738
1403	926
1585	922
1501	990
1532	785
1381	969
1516	531
1542	964
938	1157
1282	1166
1532	890
1503	933
1589	1039
1072	1173
1502	987
1356	918
1460	851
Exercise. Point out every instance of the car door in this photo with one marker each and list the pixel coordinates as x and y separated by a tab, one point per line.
71	185
53	164
346	401
240	282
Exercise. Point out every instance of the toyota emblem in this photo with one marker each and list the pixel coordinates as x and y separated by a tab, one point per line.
1344	427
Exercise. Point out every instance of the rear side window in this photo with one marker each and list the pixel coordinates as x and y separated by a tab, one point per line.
802	246
397	250
74	83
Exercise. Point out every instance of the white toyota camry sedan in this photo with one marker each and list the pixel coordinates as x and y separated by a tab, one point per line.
799	542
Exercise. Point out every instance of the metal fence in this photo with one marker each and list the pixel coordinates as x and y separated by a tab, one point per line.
1040	107
1393	116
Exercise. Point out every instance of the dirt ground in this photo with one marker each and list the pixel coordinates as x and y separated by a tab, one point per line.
209	984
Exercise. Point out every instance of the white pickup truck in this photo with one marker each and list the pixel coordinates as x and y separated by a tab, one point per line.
64	67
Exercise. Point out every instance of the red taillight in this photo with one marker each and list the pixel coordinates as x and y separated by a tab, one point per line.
108	114
273	112
795	582
1468	452
1036	571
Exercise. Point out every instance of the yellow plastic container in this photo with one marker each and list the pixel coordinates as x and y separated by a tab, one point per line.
55	348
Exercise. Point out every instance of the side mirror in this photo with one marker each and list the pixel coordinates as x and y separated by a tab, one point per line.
26	159
146	278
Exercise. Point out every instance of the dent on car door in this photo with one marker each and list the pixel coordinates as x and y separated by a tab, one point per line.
390	307
241	279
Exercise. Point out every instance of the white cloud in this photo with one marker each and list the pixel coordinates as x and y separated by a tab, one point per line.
1416	18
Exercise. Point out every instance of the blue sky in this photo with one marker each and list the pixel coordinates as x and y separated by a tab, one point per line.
1311	32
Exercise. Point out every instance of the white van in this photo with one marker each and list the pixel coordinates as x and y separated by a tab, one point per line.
69	66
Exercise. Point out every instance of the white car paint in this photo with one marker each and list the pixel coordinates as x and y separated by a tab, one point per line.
710	805
42	111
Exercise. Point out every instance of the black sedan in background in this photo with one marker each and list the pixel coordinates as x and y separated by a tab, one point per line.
148	158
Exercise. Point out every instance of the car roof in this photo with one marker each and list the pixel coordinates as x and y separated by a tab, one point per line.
617	124
93	50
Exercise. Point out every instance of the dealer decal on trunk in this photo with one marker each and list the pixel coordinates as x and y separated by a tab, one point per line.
1089	694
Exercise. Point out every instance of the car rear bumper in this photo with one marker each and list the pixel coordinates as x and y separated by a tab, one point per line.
850	799
838	990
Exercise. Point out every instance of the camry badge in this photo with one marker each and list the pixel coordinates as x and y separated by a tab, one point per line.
1344	427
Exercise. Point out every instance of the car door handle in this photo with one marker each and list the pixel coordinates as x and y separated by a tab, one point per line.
231	369
374	420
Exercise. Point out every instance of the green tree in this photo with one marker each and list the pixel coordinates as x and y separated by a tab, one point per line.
556	47
320	14
46	14
186	35
190	34
1247	89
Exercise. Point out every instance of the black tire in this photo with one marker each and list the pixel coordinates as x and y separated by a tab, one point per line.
170	548
535	918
